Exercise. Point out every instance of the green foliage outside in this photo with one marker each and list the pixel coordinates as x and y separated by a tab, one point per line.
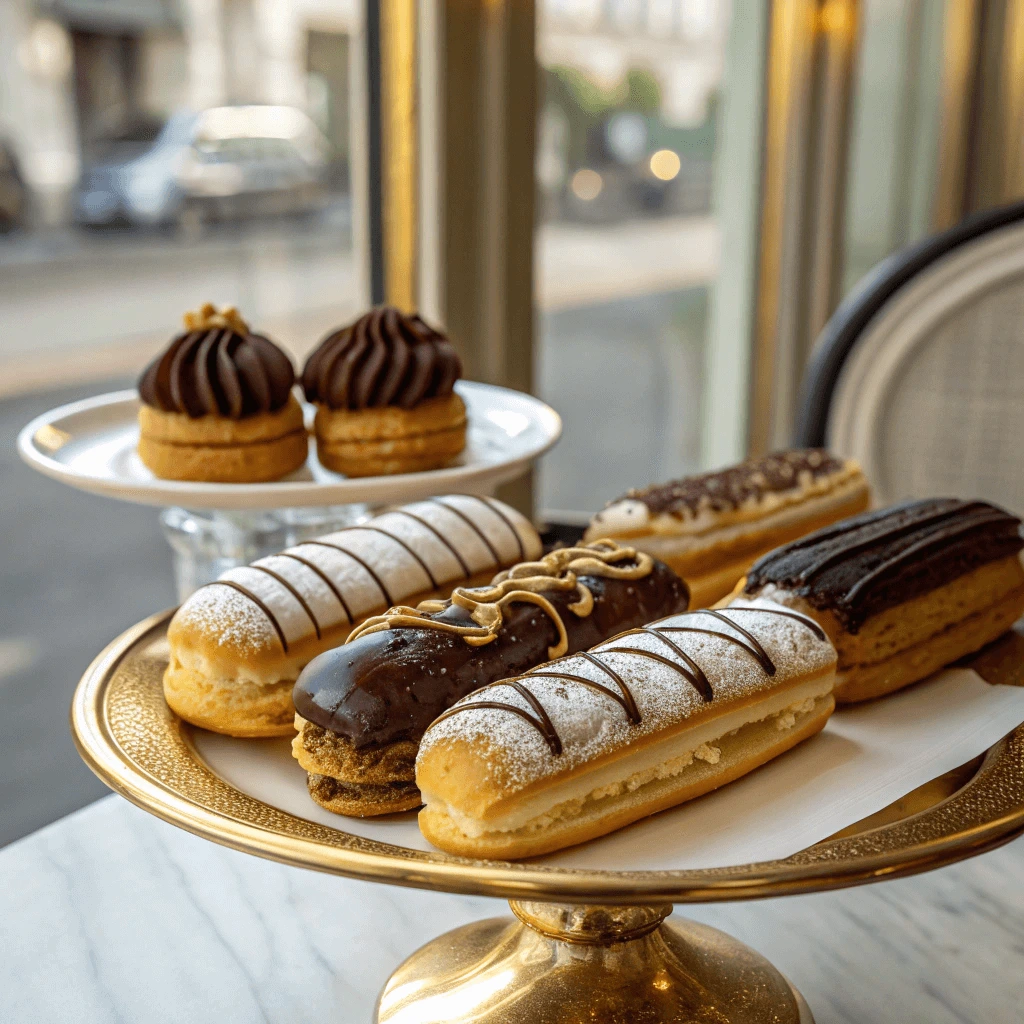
587	106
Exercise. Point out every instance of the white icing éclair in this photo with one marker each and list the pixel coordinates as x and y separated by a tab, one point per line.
601	749
335	581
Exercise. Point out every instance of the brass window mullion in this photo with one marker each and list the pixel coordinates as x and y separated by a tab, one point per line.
812	52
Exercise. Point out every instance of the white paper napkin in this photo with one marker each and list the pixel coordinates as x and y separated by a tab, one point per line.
866	757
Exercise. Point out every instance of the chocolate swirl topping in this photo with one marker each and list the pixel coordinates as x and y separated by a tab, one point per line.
390	683
218	368
875	561
384	358
689	669
730	488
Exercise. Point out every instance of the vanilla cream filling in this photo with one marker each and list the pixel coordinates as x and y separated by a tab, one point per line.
669	534
627	774
187	660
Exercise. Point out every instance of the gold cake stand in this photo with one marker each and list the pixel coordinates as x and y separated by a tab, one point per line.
585	945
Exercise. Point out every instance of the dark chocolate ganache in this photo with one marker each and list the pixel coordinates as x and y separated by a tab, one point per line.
385	358
730	488
877	560
390	685
218	368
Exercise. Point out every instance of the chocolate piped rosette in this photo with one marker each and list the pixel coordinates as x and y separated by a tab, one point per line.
217	405
384	391
237	645
362	708
711	528
903	591
652	717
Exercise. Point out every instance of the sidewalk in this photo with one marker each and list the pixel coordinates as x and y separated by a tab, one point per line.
77	308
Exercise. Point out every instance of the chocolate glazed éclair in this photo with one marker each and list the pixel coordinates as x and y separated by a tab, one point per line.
400	671
878	560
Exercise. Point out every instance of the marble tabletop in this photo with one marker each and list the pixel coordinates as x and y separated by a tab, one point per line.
113	916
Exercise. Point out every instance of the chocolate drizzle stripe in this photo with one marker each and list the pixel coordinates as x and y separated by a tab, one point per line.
437	533
765	662
398	540
259	604
327	579
943	535
758	651
476	529
681	669
554	743
291	590
797	616
547	727
355	558
493	506
631	709
695	673
620	698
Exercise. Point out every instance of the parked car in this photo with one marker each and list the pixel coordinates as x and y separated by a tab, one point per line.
224	162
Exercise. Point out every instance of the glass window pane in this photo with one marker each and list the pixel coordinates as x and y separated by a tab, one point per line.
628	243
154	155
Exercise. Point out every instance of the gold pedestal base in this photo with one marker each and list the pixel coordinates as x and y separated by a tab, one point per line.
566	963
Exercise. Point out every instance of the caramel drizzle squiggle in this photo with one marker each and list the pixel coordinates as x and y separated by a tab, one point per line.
543	724
524	583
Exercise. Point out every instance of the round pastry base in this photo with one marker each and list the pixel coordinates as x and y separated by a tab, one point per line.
568	963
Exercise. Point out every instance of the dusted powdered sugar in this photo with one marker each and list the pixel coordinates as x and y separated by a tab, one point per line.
591	725
230	619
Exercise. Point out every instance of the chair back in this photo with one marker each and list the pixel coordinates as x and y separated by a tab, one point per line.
920	373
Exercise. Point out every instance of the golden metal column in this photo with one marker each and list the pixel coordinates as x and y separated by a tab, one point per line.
488	100
399	133
980	159
456	124
812	51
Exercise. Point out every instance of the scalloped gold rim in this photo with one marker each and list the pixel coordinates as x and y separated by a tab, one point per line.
133	742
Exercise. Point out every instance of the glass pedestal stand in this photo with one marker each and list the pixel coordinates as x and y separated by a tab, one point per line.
207	543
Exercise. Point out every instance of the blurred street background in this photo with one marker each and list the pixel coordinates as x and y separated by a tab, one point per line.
157	154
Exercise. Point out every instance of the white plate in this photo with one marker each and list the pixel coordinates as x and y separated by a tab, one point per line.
91	445
868	756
